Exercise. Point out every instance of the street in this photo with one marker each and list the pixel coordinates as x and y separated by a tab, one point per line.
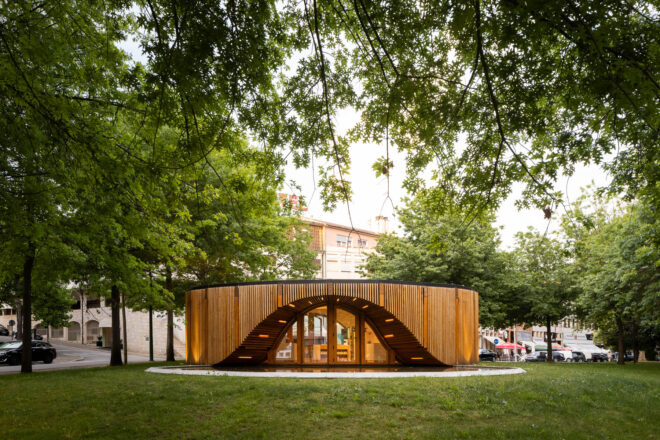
72	356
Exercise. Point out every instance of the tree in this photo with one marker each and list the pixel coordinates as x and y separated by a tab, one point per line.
445	249
61	93
615	253
544	276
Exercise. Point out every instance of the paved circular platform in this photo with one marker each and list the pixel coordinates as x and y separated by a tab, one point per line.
326	373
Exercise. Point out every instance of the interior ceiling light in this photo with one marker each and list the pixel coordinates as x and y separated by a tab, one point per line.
416	358
264	336
389	336
364	307
245	357
389	320
281	321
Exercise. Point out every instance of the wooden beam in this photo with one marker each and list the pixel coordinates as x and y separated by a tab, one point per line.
237	319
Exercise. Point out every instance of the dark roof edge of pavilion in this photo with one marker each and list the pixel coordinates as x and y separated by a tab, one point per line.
360	281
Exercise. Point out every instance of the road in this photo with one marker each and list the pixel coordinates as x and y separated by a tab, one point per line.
71	357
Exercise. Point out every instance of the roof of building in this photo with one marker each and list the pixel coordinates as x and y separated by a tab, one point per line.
316	222
336	281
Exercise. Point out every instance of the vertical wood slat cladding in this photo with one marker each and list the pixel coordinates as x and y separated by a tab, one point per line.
221	317
442	324
293	292
366	291
466	327
221	321
406	302
256	302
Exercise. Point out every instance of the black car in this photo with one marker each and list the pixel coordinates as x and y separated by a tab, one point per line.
628	357
487	355
10	352
541	356
578	356
3	330
598	357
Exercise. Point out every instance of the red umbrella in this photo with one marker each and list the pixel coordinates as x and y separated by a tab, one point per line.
509	346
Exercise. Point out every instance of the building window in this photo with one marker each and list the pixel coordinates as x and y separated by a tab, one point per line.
330	335
362	243
344	241
374	351
315	348
74	331
288	348
93	303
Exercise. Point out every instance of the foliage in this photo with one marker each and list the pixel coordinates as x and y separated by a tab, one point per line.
616	256
544	277
445	249
486	93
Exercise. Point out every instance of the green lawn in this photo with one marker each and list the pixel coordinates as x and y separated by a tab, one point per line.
550	401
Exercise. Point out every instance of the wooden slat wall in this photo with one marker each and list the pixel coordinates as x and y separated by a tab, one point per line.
466	327
195	339
220	319
366	291
406	302
221	327
294	292
255	303
442	324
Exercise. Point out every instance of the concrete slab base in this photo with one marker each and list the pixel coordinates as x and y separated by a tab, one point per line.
288	373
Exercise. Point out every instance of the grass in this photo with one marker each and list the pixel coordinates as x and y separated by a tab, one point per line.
577	401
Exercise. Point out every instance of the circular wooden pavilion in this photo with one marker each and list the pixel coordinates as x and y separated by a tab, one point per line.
332	322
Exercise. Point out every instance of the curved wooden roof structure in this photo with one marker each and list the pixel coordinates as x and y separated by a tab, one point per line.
420	324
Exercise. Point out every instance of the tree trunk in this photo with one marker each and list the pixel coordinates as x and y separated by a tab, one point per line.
123	314
635	344
115	354
622	351
26	311
549	333
19	320
82	317
169	355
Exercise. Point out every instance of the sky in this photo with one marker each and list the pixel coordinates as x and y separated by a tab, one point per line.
370	193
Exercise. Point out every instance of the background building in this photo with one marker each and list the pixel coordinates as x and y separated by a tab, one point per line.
91	321
342	249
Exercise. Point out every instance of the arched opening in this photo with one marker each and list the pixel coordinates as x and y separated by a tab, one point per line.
91	331
57	333
330	333
74	331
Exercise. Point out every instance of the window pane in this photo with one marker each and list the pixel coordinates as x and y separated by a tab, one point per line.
316	336
374	352
287	352
346	336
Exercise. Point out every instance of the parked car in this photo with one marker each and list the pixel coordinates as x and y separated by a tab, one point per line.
577	356
542	356
10	352
3	330
599	357
487	355
628	357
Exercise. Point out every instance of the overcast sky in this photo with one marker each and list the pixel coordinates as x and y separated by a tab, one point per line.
370	193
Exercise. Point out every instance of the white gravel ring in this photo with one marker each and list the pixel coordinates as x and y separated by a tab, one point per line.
337	374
